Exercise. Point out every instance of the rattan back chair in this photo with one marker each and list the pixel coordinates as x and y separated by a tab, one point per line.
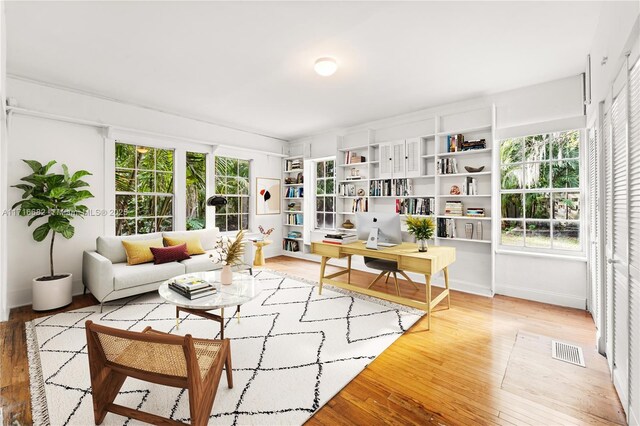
157	357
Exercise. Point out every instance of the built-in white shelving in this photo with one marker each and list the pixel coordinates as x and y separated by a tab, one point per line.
293	245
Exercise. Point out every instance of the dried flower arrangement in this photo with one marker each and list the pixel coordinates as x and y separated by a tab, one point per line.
266	233
229	252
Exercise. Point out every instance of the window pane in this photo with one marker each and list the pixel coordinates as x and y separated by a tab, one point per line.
511	151
566	205
232	167
164	183
512	233
244	221
221	185
320	169
146	205
146	225
320	187
221	166
233	222
125	180
320	204
164	206
243	186
146	158
536	175
244	168
511	177
566	174
538	205
566	144
125	226
164	160
125	206
329	204
329	186
319	220
164	224
329	220
221	209
145	182
196	190
125	156
566	235
538	234
232	185
536	148
232	205
244	204
511	205
221	222
330	172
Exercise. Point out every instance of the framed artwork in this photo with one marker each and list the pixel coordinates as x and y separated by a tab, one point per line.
267	196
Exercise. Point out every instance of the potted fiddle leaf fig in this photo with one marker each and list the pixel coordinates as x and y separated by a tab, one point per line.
52	201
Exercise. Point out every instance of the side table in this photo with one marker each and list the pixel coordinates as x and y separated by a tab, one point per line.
258	260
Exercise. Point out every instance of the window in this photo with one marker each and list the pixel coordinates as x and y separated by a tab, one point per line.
232	182
540	191
196	175
325	195
144	189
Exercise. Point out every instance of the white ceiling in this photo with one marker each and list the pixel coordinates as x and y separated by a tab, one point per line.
250	65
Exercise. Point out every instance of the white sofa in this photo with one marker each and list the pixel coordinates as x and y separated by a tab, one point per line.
107	275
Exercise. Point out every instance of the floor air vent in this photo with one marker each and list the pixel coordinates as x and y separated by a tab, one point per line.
567	353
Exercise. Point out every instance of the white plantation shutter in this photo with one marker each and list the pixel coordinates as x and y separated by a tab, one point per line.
634	244
413	157
608	236
620	245
398	158
386	161
594	210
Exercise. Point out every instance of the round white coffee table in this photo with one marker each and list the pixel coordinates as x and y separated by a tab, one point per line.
243	289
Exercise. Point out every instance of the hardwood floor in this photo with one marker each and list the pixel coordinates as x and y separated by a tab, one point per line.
450	375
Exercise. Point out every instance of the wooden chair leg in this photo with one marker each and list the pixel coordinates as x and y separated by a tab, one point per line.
406	277
388	275
105	392
377	278
229	369
395	277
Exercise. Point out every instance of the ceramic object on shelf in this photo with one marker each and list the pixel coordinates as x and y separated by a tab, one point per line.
474	169
348	224
455	190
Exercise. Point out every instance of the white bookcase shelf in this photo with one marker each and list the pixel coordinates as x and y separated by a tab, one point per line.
292	245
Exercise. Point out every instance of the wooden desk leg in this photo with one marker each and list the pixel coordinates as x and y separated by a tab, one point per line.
323	265
427	281
221	323
446	286
177	318
349	268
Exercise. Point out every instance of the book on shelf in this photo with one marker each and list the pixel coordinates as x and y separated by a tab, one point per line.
447	166
391	187
294	219
456	143
475	212
470	186
339	238
360	205
473	144
294	192
416	206
453	208
346	189
446	228
290	245
294	234
352	157
295	164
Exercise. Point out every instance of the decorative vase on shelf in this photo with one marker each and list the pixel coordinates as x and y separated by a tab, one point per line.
423	245
226	276
348	224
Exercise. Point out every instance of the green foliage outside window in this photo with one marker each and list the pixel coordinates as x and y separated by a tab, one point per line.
196	194
232	182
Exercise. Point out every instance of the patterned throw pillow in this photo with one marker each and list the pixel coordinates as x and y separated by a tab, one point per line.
140	251
170	254
193	244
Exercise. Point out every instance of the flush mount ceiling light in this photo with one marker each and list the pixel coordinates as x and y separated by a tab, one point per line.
325	66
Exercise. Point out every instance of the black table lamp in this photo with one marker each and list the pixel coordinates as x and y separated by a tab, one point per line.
216	201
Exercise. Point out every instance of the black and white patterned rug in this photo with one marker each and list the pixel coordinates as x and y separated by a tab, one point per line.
292	351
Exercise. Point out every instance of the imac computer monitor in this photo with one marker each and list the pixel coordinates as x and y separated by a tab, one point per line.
379	229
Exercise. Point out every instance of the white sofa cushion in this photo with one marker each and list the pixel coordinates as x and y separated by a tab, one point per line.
127	276
200	263
112	248
208	237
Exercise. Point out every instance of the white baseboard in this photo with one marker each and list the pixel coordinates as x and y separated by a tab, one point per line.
634	416
552	298
620	385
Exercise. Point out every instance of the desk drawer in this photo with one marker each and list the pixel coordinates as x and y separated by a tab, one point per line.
325	249
414	264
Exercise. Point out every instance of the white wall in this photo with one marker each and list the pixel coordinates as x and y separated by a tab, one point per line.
530	109
82	146
4	311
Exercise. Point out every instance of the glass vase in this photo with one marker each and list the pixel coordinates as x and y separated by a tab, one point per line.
423	245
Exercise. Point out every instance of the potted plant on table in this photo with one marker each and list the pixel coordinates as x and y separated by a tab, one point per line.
55	198
422	228
230	254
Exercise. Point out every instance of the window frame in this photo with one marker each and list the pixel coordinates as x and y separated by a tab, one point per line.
137	194
324	195
206	157
238	195
549	189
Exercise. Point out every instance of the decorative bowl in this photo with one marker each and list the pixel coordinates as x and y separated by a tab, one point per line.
474	169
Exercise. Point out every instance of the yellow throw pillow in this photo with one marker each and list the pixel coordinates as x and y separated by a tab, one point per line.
194	246
140	251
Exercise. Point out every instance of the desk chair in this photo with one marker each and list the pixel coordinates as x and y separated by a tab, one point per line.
387	267
156	357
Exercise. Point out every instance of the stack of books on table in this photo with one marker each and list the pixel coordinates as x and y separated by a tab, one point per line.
192	287
339	238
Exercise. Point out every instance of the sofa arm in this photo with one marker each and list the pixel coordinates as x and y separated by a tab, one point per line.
97	274
247	256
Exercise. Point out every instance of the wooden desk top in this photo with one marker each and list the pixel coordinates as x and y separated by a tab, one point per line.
406	254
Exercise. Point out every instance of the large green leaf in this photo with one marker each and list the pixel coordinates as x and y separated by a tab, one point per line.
68	231
36	166
48	166
58	192
34	218
41	232
79	175
78	184
58	222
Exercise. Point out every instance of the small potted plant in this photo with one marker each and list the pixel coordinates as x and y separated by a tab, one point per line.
230	254
55	198
422	228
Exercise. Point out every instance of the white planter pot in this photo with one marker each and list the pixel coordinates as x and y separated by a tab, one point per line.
51	294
